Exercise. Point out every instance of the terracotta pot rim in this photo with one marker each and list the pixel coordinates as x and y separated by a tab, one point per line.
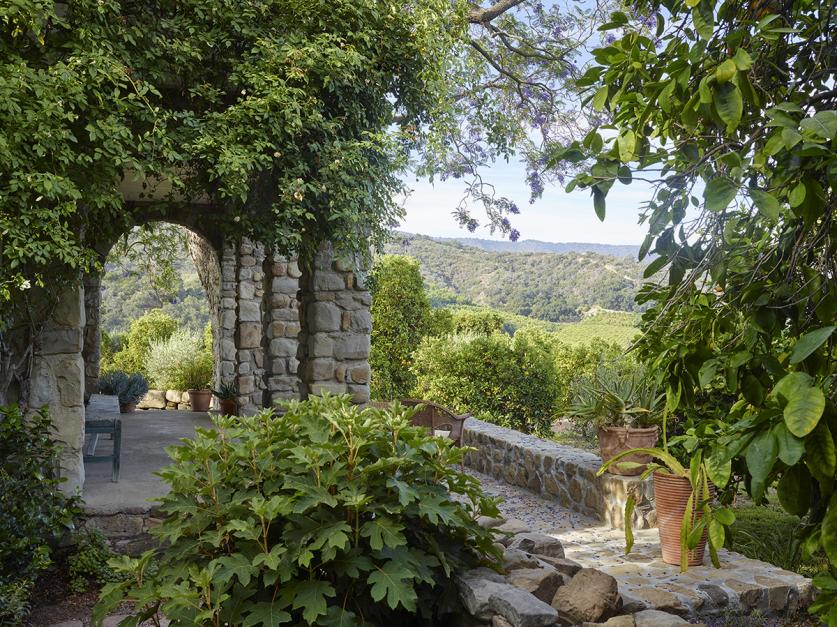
201	391
643	430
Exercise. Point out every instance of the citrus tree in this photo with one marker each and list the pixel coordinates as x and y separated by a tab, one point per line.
728	110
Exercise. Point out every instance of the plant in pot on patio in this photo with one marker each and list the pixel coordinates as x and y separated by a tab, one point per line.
227	394
687	472
196	373
624	404
130	388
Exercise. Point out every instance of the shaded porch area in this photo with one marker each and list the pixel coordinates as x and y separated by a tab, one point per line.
145	436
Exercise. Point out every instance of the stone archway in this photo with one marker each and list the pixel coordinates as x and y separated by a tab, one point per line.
283	332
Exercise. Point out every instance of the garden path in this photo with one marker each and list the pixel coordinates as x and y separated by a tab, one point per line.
741	585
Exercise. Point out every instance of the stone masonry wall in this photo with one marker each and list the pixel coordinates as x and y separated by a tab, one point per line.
334	349
281	329
57	381
561	472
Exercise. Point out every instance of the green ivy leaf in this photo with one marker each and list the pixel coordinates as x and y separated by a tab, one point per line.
794	490
719	193
791	448
809	342
766	203
761	455
821	455
729	105
393	581
266	613
804	409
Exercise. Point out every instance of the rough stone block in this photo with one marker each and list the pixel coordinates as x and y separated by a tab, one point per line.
591	596
475	588
325	281
361	321
227	349
324	316
283	347
249	311
656	618
537	544
352	346
153	399
292	329
246	384
332	387
284	285
321	369
246	290
360	393
514	559
173	396
293	269
520	608
360	374
543	583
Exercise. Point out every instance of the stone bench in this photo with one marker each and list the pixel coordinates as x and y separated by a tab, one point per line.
557	471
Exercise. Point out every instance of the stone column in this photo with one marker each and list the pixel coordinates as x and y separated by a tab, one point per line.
208	265
92	336
334	310
57	381
281	328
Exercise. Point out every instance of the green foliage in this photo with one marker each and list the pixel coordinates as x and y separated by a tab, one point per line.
286	130
618	393
196	372
545	286
508	381
228	390
35	512
130	388
739	113
170	359
164	279
400	318
769	534
151	327
89	561
327	515
476	321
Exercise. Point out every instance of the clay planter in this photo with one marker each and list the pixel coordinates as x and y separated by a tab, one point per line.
670	496
127	408
615	440
200	399
228	406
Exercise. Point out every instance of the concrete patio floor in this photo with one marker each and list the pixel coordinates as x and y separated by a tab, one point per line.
145	435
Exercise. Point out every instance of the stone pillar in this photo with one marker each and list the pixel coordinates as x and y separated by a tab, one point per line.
92	336
208	265
334	310
58	379
281	329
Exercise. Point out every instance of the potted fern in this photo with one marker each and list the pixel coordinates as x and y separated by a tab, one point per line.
684	493
624	404
227	394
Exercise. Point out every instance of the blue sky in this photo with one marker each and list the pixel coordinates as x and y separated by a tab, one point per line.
556	217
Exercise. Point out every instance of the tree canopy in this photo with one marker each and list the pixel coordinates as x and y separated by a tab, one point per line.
730	111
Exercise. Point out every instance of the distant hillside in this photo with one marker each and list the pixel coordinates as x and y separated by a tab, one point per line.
548	286
535	246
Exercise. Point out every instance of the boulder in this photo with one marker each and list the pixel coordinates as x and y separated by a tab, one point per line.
475	588
153	399
499	621
591	596
616	621
537	544
515	558
563	565
521	609
631	604
543	583
174	396
490	523
510	528
656	618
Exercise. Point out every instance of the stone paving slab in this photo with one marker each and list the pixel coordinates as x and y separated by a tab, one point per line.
645	581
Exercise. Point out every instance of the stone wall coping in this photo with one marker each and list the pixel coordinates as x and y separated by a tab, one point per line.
565	473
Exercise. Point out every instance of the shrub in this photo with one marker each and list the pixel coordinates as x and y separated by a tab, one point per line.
328	515
477	321
400	319
130	388
168	357
196	372
34	511
89	561
152	327
508	381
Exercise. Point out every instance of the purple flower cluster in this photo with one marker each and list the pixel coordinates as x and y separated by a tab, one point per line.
609	39
472	225
513	208
514	235
533	178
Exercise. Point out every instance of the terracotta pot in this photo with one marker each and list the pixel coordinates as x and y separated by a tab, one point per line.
670	496
228	406
200	399
127	408
615	440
